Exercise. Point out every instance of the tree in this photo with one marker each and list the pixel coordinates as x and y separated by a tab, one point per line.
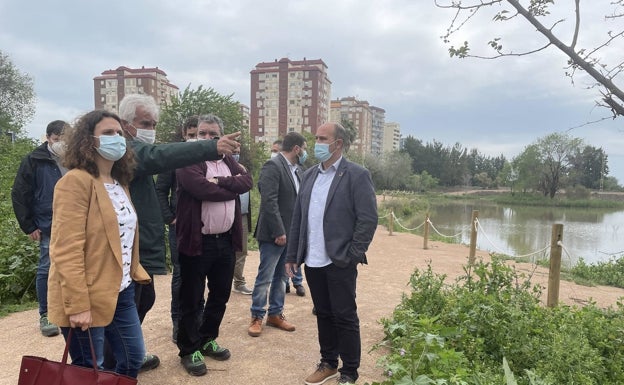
350	127
17	96
591	60
197	102
547	163
590	167
208	101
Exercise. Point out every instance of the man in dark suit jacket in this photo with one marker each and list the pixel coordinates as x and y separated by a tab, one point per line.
278	185
333	224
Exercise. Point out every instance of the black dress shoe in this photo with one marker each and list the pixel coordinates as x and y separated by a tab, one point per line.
300	290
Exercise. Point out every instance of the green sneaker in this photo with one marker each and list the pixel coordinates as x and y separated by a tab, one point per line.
48	329
194	364
214	351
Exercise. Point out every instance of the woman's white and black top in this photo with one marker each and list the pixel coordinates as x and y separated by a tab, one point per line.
127	219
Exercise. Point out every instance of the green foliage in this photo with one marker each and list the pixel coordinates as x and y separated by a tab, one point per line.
608	273
18	254
17	96
197	102
488	327
204	101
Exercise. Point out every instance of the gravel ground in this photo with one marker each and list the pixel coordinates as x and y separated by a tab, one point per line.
278	357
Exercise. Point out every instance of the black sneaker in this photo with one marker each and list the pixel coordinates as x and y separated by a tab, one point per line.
346	380
194	364
214	351
150	361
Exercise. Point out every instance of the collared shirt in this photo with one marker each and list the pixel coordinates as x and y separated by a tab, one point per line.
293	171
217	217
317	254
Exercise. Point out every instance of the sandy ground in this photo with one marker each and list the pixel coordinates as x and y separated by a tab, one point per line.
278	357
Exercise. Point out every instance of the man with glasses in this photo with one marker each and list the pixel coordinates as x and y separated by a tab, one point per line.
209	232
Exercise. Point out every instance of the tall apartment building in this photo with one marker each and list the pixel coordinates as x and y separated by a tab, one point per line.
392	137
112	85
288	95
363	116
377	133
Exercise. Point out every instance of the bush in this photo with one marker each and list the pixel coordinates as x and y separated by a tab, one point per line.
464	332
18	254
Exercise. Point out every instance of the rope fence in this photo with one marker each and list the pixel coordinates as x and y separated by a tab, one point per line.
555	248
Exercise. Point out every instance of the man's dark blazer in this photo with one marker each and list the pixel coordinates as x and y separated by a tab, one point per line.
277	199
350	218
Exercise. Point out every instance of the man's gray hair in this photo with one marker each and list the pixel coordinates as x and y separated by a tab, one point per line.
341	133
210	119
129	104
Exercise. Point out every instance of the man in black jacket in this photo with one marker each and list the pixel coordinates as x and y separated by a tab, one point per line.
166	191
32	194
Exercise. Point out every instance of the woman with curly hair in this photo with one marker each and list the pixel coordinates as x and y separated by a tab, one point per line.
94	246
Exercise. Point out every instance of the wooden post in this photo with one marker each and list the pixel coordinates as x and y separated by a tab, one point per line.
426	232
473	237
391	222
555	265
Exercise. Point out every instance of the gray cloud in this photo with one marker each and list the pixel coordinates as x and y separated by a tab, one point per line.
388	53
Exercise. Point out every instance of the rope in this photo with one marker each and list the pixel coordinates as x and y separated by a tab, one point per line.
442	235
560	244
503	251
385	216
405	228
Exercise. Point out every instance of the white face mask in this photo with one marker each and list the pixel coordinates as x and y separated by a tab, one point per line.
57	148
146	136
192	140
274	154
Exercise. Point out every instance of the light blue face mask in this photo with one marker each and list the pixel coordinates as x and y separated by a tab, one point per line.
236	157
112	147
303	157
321	151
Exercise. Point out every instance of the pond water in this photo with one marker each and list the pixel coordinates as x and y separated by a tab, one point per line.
591	234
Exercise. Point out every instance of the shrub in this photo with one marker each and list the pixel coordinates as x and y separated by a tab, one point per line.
467	331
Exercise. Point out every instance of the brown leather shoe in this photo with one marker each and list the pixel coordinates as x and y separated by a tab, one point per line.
255	328
279	321
323	373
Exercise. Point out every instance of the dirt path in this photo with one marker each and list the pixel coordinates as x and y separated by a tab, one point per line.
278	357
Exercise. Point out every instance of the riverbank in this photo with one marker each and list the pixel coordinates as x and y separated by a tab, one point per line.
278	357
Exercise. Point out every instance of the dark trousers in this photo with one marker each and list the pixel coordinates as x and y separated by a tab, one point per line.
216	265
333	295
144	297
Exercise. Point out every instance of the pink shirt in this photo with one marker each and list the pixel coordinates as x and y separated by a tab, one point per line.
217	217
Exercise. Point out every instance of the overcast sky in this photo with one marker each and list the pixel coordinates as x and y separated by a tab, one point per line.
387	52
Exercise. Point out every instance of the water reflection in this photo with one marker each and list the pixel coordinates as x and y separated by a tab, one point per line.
593	234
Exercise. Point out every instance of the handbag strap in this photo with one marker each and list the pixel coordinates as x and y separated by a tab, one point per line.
93	357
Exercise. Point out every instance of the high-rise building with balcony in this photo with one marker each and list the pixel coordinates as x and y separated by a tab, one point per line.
391	137
288	95
112	85
368	121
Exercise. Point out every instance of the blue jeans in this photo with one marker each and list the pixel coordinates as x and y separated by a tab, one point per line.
43	269
271	272
297	279
123	334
